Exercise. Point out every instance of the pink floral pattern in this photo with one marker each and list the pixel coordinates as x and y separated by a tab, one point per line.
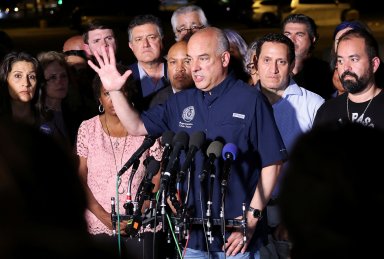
95	145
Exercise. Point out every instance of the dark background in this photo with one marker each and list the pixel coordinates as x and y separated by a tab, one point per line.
47	30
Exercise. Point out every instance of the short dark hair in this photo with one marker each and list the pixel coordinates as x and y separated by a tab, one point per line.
371	45
145	19
94	25
280	38
311	26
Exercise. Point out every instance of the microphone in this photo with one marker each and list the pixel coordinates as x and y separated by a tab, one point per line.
213	151
179	142
134	223
166	140
146	186
153	167
195	142
229	155
147	143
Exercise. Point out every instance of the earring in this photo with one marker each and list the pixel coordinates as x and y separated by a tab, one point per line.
101	108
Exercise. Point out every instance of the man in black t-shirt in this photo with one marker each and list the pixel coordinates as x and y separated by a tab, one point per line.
363	102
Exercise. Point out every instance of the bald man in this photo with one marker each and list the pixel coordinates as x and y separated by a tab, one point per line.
179	73
73	50
82	76
229	111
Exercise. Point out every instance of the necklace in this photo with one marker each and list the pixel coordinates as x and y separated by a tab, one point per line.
115	145
362	115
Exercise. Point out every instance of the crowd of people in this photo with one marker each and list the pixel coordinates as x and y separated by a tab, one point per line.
140	141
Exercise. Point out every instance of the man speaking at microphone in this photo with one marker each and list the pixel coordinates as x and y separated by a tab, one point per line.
226	109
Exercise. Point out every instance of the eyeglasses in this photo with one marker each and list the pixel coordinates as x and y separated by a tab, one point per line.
193	28
251	69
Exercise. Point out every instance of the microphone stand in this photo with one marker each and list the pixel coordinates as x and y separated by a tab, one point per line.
222	212
128	206
113	216
209	202
144	193
244	223
162	205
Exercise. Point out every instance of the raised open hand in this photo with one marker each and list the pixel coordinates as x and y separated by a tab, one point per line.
110	77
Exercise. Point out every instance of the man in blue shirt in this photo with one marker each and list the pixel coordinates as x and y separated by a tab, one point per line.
145	35
225	109
294	108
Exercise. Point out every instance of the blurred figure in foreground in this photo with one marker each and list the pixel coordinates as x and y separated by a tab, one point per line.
42	202
329	180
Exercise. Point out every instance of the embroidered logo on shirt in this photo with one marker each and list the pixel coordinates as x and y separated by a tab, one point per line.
188	114
238	115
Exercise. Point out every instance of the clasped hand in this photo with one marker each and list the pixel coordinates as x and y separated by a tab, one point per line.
235	242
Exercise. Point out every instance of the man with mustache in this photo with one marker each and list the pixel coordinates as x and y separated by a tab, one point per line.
357	60
179	73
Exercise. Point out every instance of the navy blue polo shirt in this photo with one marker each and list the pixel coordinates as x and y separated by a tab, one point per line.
232	112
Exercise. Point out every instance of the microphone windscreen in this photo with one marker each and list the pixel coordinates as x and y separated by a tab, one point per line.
153	167
148	142
166	138
147	160
182	138
229	148
215	148
197	139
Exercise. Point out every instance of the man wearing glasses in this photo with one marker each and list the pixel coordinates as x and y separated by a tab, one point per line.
186	20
